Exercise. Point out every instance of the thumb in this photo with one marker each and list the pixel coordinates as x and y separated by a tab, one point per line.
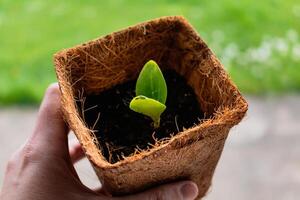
50	131
185	190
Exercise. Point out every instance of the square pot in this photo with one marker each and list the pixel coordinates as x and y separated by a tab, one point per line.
173	43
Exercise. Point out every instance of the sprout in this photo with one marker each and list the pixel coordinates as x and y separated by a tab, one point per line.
151	93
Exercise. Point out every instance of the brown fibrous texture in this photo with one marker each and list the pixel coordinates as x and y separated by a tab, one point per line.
172	42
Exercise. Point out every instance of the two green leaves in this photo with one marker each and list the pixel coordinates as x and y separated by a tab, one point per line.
151	93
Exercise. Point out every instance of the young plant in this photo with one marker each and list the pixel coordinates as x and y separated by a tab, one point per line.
151	93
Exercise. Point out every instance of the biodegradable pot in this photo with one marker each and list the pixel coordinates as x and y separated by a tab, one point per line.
100	64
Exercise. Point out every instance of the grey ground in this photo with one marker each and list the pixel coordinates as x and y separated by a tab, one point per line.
261	158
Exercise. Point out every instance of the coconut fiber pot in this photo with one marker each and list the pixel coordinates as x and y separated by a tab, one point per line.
98	65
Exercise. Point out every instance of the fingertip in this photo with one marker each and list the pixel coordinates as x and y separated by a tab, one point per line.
76	153
189	190
52	90
51	102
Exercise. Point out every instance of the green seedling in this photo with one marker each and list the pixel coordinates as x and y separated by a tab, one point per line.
151	93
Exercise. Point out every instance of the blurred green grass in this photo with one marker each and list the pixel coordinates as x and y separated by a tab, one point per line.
256	41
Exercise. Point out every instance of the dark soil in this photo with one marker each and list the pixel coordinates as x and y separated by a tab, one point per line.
122	130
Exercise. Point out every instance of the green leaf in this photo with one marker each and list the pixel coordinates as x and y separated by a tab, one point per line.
149	107
151	83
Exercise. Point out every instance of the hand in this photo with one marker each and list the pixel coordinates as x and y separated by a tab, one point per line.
43	168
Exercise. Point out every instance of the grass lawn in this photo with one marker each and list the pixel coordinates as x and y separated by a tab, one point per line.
257	41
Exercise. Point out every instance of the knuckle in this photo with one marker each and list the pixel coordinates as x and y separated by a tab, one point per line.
22	157
11	163
30	153
157	195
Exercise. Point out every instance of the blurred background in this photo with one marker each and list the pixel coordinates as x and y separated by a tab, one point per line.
257	41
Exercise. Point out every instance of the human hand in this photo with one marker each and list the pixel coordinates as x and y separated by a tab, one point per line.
43	168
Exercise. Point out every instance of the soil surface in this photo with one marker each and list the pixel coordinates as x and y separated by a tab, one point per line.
120	130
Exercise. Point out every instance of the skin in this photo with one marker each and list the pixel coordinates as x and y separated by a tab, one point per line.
42	169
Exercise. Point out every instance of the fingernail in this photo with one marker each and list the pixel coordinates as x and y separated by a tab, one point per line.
189	191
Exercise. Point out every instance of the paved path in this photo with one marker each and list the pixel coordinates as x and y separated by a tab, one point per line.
261	159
